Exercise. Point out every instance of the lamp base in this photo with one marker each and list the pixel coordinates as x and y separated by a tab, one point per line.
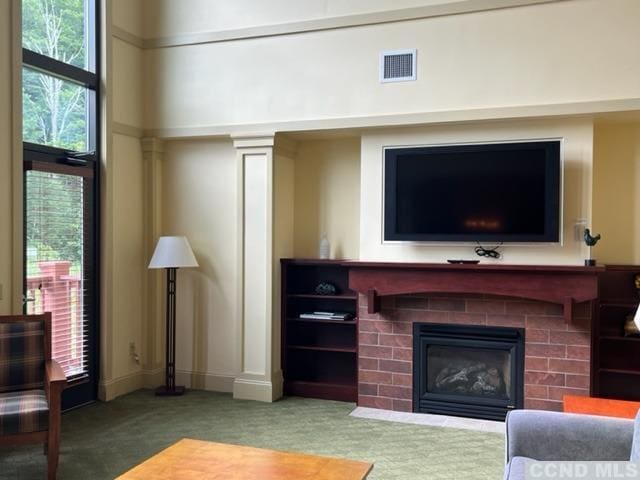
164	391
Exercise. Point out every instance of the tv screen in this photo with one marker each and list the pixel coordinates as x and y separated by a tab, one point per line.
503	192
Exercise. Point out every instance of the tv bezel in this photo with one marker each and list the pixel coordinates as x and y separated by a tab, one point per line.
553	194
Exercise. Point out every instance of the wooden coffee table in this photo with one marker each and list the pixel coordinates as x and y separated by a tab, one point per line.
194	459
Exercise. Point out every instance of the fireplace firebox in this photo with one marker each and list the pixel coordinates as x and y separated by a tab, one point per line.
469	371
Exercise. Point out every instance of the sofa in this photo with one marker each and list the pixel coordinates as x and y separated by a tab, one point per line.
554	436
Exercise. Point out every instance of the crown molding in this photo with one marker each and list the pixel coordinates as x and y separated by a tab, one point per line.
240	133
152	145
255	140
126	129
127	37
321	24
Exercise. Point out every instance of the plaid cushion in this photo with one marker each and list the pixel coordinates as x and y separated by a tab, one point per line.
23	412
21	355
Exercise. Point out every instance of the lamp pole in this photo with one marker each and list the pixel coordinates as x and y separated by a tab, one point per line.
171	253
169	387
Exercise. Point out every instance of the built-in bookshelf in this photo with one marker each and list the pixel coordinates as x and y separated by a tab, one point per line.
615	364
320	355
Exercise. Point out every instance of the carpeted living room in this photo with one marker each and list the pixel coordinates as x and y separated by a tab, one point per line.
319	239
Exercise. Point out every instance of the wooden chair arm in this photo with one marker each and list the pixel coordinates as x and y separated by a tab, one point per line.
55	379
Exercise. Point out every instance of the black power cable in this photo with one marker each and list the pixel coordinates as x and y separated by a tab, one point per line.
488	252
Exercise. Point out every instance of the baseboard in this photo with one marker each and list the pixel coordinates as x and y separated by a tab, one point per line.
205	381
253	387
110	389
153	378
248	387
277	380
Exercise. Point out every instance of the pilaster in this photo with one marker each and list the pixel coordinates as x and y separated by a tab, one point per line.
258	379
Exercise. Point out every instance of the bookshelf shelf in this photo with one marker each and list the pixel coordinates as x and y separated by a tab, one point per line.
319	355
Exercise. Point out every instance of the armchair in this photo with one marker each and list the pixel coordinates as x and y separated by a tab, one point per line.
554	436
31	385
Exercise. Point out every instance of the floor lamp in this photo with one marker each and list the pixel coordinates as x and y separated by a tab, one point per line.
171	253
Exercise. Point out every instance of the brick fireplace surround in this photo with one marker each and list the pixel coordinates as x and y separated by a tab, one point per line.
557	353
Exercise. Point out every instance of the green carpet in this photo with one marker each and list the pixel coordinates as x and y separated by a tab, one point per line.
103	440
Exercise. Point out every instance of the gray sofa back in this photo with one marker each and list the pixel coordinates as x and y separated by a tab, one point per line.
635	448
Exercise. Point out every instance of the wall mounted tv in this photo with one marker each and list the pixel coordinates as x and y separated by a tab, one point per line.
494	192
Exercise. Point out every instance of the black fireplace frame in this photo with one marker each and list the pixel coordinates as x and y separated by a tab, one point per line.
480	337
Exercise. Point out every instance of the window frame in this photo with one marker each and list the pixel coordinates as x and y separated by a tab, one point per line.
51	158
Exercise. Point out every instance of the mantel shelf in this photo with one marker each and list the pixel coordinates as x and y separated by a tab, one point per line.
565	285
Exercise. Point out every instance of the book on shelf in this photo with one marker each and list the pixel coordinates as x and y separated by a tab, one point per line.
326	316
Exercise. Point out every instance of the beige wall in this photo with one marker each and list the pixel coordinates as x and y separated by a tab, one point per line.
315	186
466	63
616	192
577	146
129	15
127	84
128	265
200	195
284	205
124	253
6	172
560	52
327	197
487	59
168	17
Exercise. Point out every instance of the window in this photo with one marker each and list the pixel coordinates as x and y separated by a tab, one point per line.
60	133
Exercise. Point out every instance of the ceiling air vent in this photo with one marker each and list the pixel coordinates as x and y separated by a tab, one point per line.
398	65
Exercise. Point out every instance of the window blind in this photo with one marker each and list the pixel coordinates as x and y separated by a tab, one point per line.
57	235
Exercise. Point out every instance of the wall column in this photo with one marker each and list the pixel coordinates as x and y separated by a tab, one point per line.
258	379
153	313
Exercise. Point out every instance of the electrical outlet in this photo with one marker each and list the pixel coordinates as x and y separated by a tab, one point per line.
133	353
578	229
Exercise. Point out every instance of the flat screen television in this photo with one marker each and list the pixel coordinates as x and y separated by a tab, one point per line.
497	192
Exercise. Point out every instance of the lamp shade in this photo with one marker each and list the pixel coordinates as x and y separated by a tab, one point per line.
173	252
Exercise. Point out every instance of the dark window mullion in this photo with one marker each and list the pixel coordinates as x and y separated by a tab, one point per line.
39	149
60	69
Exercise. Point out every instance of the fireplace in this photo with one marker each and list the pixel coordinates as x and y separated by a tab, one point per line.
472	371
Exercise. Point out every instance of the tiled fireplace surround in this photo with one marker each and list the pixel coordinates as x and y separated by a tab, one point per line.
557	353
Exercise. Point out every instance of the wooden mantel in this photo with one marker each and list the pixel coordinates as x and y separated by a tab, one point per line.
565	285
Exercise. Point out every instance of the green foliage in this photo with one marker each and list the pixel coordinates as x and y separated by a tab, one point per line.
55	219
54	110
54	113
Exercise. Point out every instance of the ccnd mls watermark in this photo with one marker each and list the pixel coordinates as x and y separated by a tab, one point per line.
582	470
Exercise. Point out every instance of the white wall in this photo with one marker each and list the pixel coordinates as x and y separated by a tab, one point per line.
124	250
577	136
128	262
204	82
533	56
327	197
552	53
200	194
168	17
